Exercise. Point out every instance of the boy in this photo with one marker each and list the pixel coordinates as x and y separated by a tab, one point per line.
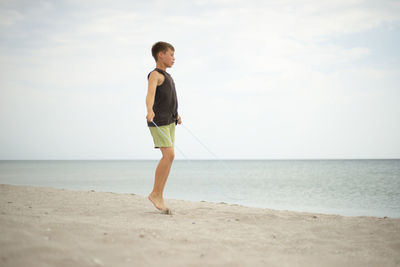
162	115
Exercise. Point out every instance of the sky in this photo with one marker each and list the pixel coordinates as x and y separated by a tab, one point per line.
287	79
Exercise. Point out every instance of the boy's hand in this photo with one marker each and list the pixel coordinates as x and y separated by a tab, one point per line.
150	116
179	120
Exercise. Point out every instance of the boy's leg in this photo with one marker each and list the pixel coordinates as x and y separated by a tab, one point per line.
169	155
161	176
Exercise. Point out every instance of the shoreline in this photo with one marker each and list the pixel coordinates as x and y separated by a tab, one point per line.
60	227
335	212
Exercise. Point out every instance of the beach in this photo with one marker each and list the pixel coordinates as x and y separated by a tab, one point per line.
42	226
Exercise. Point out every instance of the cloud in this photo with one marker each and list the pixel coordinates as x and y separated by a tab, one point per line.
9	17
271	70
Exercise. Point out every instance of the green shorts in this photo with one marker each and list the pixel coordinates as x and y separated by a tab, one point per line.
163	139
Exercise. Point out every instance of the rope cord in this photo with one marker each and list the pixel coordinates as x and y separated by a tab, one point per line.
209	151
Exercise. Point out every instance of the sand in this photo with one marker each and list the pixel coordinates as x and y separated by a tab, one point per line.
55	227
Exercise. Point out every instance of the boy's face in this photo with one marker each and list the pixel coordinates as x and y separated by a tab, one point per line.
167	58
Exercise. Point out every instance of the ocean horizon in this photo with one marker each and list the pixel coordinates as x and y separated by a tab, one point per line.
350	187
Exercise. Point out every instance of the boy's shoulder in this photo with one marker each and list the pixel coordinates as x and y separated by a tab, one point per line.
155	73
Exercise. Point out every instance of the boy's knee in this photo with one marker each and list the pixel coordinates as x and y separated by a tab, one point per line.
169	155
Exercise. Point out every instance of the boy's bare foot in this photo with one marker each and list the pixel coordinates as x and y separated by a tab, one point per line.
157	201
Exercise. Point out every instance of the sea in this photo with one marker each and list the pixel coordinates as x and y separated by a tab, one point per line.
365	187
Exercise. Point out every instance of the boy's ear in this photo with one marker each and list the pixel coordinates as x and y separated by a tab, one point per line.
158	55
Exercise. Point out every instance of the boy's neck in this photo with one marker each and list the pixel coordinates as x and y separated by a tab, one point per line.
161	66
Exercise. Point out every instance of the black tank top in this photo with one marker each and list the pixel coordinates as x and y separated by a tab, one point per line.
165	102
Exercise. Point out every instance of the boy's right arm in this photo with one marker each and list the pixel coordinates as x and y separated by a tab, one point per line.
151	92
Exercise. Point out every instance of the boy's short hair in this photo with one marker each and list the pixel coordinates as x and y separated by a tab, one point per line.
160	47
